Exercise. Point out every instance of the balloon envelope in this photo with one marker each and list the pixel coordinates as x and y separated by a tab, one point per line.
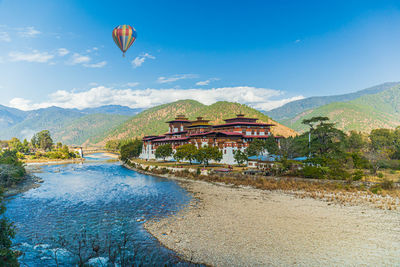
124	36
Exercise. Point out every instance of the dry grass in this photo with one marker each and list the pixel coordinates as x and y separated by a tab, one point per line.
327	190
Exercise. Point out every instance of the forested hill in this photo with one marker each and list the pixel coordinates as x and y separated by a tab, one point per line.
70	126
152	121
293	109
381	110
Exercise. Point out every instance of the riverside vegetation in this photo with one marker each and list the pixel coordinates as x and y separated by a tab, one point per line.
41	146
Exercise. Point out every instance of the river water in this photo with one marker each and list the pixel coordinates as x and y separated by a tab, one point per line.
97	206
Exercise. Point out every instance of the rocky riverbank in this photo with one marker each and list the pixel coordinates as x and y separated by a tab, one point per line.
31	181
231	226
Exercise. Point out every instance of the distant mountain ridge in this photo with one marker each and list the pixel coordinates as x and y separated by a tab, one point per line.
293	109
365	113
23	124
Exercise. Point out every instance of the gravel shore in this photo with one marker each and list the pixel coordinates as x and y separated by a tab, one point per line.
226	226
30	182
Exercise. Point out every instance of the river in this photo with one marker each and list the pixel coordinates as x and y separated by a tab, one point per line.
99	206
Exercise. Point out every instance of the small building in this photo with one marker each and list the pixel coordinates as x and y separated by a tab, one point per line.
262	162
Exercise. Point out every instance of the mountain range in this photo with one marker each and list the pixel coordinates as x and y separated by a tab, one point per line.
97	125
371	108
82	124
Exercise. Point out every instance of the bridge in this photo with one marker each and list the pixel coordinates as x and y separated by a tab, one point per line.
87	151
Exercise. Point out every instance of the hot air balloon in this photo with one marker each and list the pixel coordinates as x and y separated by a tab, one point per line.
124	36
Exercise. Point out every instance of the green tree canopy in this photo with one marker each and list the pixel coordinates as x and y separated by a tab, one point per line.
131	149
42	140
7	232
240	157
381	138
207	153
164	151
186	152
355	141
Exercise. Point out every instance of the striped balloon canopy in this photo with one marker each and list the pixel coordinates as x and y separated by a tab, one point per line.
124	36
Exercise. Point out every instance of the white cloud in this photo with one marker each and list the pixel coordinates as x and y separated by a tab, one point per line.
271	104
78	59
131	84
28	32
297	41
176	78
92	49
4	37
62	52
206	82
96	65
261	98
139	60
34	56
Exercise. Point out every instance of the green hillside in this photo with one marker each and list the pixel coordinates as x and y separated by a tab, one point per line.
293	109
152	121
52	119
88	129
381	110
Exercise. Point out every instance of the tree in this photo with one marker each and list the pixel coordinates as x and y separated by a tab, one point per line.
240	157
256	147
131	149
324	137
271	145
355	141
207	153
164	151
59	145
42	140
25	144
287	149
113	144
186	152
375	158
381	138
7	232
16	145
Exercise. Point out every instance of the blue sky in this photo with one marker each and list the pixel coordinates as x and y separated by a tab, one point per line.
262	53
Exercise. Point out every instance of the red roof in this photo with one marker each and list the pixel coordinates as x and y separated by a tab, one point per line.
243	123
241	118
187	121
171	139
148	138
181	132
231	133
215	132
256	136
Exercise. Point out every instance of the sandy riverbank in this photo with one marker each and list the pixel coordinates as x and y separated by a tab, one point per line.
226	226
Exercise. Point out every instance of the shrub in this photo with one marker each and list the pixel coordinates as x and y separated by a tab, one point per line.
376	189
357	175
380	175
387	184
313	172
